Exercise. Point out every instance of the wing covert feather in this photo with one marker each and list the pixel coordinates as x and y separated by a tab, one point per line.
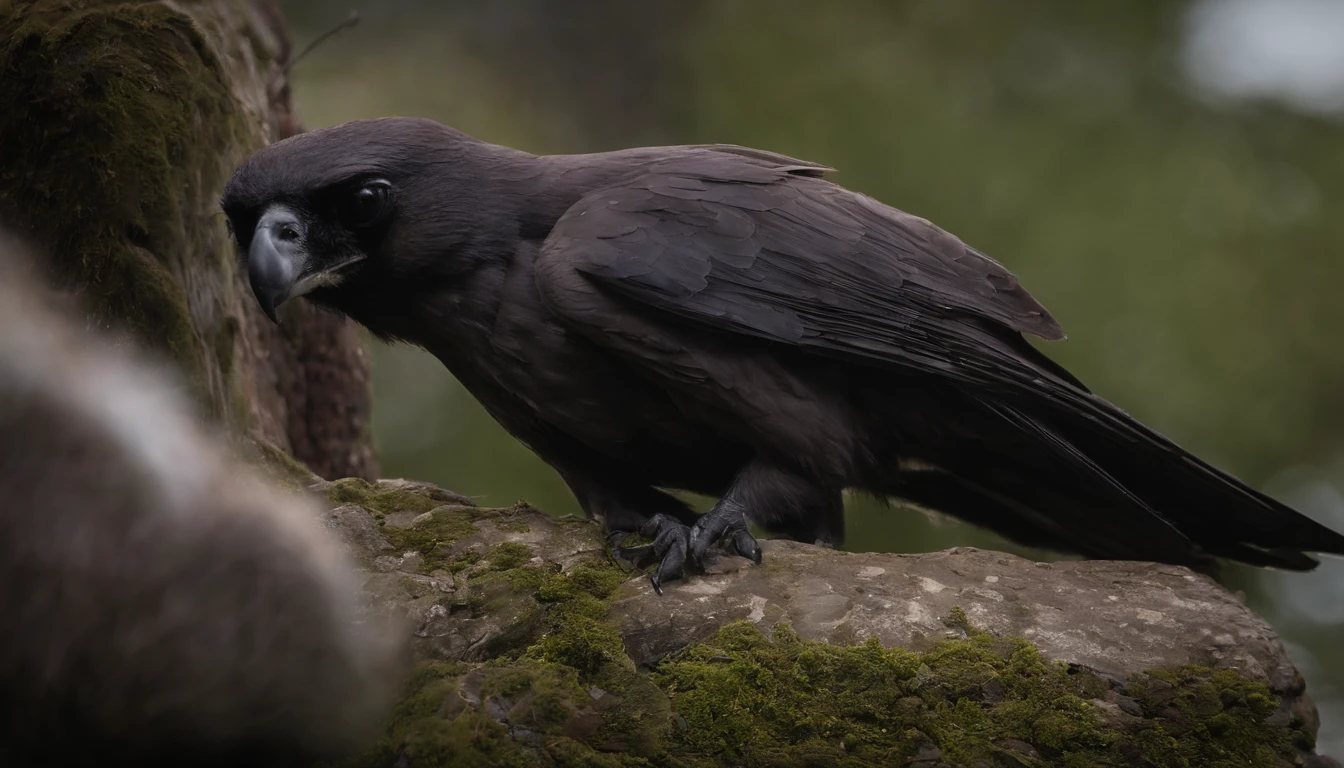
752	246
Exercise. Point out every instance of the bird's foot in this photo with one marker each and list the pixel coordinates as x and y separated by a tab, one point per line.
674	541
671	541
725	522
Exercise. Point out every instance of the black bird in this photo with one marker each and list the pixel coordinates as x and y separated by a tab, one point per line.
724	320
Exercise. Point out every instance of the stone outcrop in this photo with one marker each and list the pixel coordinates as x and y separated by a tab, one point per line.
537	649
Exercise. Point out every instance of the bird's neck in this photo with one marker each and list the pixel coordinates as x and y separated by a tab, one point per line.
473	248
435	310
450	258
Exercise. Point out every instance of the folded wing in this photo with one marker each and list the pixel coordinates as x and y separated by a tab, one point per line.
758	245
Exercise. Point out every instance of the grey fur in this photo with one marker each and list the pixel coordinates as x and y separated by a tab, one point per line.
161	604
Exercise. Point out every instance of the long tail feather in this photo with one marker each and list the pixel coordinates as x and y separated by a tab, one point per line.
1216	511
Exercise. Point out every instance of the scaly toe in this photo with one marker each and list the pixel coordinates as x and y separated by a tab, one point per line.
744	544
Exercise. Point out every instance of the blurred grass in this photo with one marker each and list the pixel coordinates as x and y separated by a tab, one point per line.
1192	253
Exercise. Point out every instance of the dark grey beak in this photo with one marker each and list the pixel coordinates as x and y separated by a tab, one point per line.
277	258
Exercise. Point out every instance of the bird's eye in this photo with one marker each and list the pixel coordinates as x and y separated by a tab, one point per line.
368	206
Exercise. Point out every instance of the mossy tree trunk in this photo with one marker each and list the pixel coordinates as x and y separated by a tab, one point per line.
122	122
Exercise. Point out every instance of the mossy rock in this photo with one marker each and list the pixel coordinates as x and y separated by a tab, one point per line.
526	659
740	698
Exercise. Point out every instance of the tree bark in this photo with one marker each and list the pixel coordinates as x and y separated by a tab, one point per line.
122	122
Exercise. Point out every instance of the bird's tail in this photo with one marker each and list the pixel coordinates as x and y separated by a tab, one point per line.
1218	512
1090	479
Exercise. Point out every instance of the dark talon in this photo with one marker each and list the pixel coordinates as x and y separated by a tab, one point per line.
670	541
725	521
744	544
638	557
673	542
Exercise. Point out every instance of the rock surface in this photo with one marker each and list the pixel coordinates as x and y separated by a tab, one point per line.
1137	664
1113	617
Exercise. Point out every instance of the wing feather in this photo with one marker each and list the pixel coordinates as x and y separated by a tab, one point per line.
758	244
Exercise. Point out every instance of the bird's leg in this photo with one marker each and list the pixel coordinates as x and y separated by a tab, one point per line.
727	522
777	499
671	542
763	493
626	510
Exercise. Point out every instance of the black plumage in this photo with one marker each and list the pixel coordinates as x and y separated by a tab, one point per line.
727	321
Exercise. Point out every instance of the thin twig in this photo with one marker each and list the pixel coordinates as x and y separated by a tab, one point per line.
348	23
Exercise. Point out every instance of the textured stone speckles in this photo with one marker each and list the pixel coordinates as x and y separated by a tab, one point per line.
535	600
929	585
1066	608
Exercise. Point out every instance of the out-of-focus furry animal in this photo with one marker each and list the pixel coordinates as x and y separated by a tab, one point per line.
159	603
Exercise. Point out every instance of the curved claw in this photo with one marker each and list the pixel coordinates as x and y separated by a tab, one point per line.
671	539
744	544
671	566
674	543
726	521
637	557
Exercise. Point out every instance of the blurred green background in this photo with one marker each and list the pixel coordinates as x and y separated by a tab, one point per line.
1167	177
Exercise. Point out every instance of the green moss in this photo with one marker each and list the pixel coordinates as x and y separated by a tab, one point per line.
462	562
751	700
508	555
542	680
560	683
576	634
471	740
434	727
568	753
579	638
385	498
438	521
595	579
433	535
513	525
956	619
528	579
1210	718
520	713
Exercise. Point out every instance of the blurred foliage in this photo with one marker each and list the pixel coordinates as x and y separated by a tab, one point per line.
1191	251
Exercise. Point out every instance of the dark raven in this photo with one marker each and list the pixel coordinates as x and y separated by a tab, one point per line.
724	320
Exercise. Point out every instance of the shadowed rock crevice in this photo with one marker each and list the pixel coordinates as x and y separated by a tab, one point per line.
536	649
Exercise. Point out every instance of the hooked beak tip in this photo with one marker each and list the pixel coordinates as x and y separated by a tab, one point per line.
276	259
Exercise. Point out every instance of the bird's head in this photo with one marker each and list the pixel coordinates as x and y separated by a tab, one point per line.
322	212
